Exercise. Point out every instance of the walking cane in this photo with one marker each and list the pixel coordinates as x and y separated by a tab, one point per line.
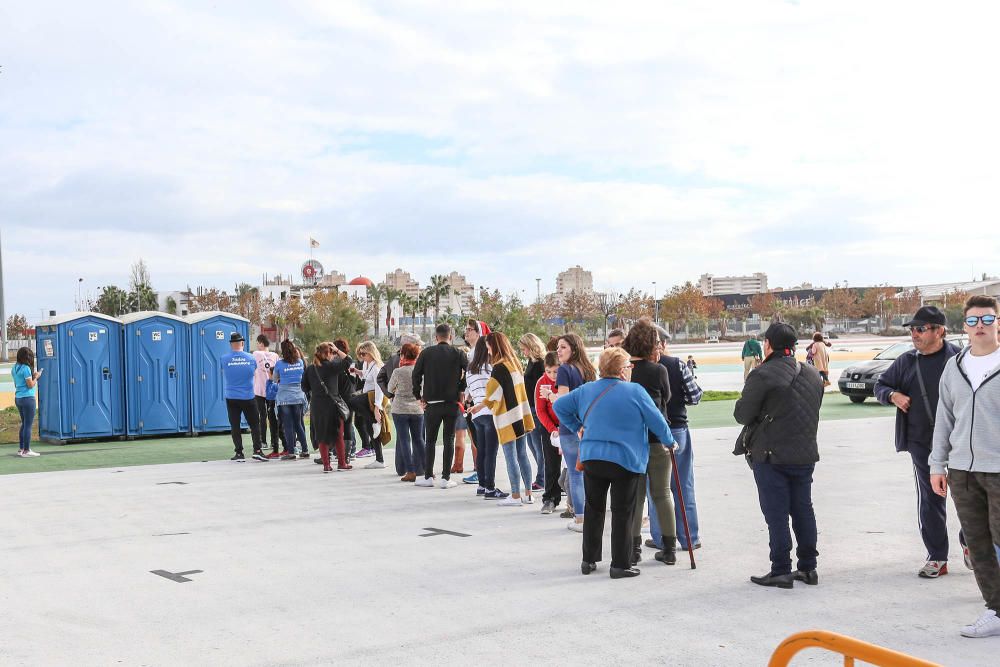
684	515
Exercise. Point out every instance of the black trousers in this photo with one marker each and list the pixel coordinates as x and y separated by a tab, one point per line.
236	407
931	508
553	468
267	417
436	416
598	478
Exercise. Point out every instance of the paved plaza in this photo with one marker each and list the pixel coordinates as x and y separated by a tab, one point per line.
279	564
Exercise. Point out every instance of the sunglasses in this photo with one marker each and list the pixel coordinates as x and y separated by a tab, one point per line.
987	320
924	327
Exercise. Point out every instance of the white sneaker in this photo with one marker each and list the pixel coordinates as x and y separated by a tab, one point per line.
424	481
933	569
447	483
20	452
527	500
28	452
987	625
375	465
509	501
575	527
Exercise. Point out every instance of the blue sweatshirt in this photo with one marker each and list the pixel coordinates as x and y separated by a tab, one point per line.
238	369
617	427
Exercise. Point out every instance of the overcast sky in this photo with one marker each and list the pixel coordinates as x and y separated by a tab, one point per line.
815	141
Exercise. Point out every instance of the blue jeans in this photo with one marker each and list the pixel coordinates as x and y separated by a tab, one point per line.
518	466
569	443
26	408
410	441
486	451
535	445
685	470
290	417
786	491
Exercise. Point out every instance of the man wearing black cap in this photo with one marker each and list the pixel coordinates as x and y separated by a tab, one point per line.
779	409
911	384
238	369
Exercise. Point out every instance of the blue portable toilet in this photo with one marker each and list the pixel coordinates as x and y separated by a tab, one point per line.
157	381
81	390
209	334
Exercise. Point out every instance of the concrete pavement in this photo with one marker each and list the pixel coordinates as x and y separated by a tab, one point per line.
301	568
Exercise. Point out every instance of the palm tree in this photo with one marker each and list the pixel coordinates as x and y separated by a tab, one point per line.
375	294
391	294
408	306
439	287
424	304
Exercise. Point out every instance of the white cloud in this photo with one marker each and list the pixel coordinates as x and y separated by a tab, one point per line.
645	140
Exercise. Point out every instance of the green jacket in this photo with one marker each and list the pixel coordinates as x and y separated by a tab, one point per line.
751	348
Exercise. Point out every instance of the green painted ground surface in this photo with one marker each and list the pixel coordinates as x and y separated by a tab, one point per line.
116	454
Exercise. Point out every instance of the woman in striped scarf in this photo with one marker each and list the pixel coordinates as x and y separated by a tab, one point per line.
507	399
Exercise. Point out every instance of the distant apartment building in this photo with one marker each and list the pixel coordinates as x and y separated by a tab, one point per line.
402	281
715	285
174	302
460	295
574	279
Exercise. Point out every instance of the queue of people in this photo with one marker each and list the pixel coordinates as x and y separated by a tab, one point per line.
621	429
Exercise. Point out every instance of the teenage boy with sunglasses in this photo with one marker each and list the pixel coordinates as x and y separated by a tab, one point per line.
916	404
966	453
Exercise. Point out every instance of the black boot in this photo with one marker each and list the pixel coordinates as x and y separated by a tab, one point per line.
636	550
809	577
667	556
587	568
779	580
624	572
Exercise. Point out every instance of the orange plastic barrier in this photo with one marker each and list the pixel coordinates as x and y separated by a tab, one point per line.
852	649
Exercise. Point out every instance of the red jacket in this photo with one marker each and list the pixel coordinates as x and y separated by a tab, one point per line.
543	407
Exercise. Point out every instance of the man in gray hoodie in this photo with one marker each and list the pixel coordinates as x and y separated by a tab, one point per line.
966	453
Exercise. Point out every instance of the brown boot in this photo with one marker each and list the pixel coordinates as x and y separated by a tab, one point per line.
409	477
324	453
342	463
459	459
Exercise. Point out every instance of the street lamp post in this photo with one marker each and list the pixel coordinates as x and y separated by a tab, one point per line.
656	306
79	287
538	290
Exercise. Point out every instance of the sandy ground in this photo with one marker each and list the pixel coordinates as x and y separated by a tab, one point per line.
301	568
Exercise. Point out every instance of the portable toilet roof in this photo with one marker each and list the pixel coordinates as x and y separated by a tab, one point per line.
194	318
146	314
76	315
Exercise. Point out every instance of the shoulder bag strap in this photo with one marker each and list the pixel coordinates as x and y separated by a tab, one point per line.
923	391
595	401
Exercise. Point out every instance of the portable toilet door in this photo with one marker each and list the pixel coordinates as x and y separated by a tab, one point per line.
81	393
157	382
210	333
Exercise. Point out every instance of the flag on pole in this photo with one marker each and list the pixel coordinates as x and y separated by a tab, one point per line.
313	243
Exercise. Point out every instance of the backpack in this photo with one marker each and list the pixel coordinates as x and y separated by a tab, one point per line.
810	354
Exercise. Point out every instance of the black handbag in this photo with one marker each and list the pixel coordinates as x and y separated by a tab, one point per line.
337	400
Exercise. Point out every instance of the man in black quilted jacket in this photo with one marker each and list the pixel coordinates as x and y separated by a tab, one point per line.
779	409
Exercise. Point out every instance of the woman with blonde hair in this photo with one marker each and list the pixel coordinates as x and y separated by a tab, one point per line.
507	399
534	351
321	381
368	407
615	416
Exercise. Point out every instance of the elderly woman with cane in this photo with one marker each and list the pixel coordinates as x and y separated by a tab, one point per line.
614	418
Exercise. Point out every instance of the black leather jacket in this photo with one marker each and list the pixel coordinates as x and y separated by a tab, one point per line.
780	403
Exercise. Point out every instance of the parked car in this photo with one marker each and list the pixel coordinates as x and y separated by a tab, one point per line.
857	382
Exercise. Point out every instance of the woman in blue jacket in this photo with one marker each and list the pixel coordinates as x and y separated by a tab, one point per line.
25	381
616	417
